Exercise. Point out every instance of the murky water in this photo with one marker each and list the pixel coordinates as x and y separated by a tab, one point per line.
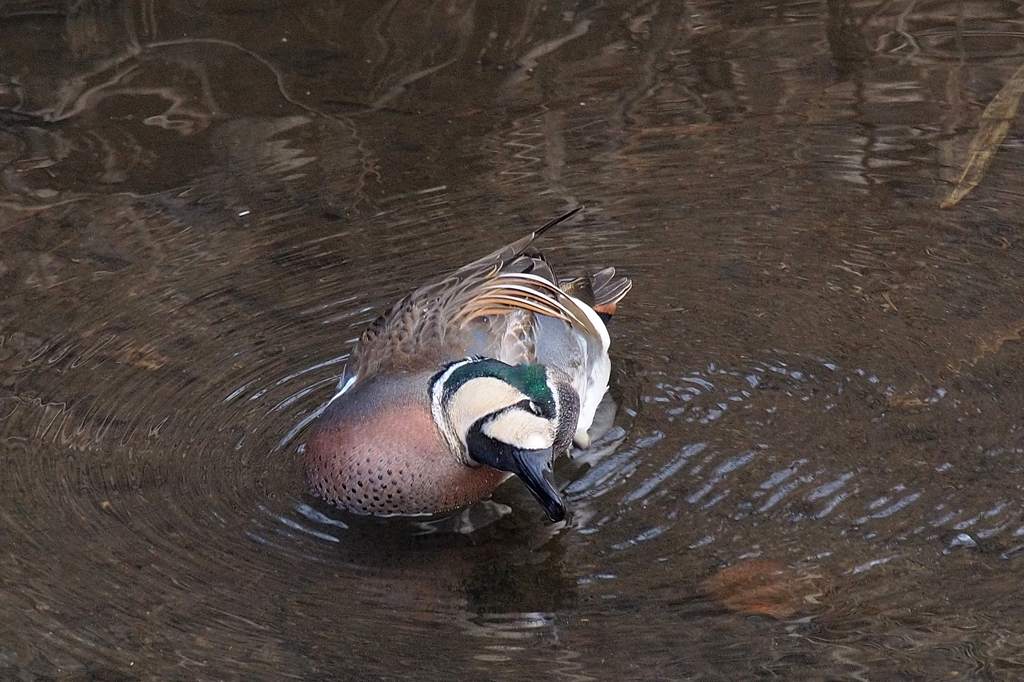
816	467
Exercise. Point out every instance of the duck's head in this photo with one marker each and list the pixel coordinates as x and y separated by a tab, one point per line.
514	418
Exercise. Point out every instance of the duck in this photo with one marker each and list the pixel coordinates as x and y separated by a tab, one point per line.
488	373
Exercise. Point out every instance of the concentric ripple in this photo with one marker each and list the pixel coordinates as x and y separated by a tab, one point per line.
812	465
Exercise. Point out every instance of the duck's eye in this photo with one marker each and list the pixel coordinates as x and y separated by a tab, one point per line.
531	407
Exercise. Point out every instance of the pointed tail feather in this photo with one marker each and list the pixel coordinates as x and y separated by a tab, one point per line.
555	221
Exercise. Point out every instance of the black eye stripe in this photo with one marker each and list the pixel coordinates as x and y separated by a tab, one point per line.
521	405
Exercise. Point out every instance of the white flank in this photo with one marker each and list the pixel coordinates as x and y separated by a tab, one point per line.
595	319
597	379
347	385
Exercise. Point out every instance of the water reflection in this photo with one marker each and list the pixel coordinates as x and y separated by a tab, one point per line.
814	466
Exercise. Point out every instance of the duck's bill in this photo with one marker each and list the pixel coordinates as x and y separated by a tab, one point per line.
531	466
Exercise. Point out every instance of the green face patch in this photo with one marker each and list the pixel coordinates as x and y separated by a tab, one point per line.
532	380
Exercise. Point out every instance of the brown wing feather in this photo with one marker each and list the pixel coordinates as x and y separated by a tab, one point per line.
419	329
532	293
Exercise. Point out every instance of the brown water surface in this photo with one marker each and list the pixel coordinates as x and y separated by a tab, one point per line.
816	467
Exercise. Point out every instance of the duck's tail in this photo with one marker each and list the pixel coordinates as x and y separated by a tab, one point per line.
608	291
602	291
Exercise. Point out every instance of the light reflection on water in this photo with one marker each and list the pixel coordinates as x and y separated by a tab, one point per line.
814	468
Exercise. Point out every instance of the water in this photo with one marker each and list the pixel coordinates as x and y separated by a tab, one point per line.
815	470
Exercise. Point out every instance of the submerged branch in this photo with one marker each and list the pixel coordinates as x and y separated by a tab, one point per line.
992	128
